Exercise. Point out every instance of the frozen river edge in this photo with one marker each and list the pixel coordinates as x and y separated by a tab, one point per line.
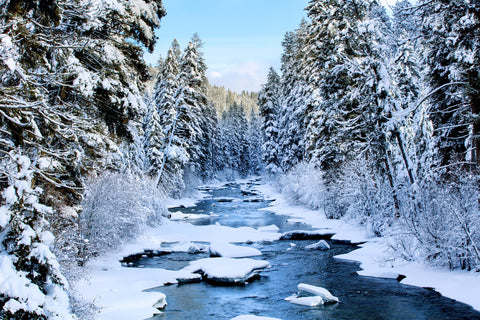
120	291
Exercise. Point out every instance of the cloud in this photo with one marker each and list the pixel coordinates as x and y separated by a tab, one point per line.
238	75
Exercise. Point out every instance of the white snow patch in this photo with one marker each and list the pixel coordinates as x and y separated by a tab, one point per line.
314	301
320	245
318	291
270	228
228	269
225	249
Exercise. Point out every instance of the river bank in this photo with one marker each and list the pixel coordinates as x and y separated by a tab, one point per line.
123	293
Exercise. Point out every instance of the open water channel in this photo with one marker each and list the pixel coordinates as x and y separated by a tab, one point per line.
291	264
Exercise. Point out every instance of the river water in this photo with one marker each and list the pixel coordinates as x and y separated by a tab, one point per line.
291	264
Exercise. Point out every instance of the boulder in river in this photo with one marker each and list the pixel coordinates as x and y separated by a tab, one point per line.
307	235
320	245
227	271
161	303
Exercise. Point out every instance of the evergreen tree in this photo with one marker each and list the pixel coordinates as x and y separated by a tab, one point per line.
173	155
191	105
450	33
255	142
268	101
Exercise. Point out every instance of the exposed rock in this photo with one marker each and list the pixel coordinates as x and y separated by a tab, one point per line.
307	235
320	245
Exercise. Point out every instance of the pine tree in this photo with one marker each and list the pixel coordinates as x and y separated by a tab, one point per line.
191	103
169	171
255	142
268	101
450	33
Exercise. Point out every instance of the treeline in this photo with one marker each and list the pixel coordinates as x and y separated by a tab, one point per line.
184	138
223	98
386	109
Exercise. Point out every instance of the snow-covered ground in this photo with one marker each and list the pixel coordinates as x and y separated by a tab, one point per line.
376	258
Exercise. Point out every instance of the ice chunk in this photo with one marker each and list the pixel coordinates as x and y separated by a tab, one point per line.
314	301
320	245
224	249
161	303
227	271
318	291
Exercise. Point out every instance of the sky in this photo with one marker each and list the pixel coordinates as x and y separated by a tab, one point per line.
242	38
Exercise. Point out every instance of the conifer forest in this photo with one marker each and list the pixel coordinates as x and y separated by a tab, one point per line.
373	119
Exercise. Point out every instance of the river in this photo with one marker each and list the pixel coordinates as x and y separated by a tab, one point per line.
291	264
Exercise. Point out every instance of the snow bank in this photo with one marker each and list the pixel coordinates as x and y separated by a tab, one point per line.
376	261
375	254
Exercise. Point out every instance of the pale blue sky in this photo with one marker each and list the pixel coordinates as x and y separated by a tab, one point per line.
242	38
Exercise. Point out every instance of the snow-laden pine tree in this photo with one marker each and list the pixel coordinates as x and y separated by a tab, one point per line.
52	133
292	109
269	104
168	170
114	73
450	36
255	142
191	104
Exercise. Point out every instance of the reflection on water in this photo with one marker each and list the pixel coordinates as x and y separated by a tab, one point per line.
360	297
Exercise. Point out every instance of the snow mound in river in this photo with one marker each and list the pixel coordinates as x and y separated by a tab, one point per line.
227	271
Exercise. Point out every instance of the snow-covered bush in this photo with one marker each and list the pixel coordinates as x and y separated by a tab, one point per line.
304	185
444	222
116	208
361	195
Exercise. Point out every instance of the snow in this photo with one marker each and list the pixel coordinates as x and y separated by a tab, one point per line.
318	291
314	301
320	245
161	303
375	254
127	299
227	270
225	249
5	214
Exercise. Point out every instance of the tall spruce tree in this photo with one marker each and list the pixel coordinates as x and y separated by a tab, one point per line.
269	103
450	36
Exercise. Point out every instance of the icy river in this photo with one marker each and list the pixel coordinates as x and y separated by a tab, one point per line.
290	264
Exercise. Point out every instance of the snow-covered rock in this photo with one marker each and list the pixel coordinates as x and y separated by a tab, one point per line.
318	291
161	302
318	296
228	250
314	301
320	245
252	317
227	271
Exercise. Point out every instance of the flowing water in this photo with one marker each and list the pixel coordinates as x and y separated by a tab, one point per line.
360	297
